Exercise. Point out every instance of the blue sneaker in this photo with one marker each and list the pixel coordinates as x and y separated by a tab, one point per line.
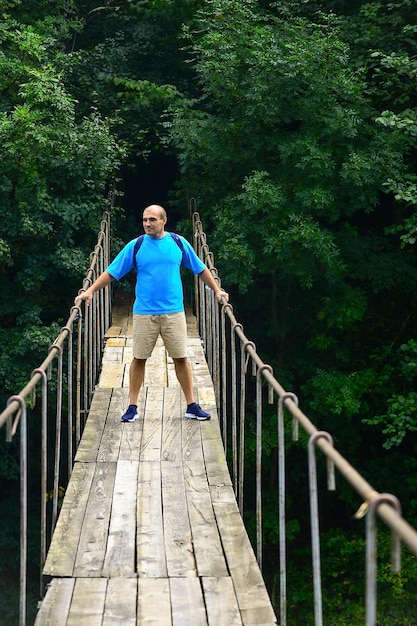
195	412
131	414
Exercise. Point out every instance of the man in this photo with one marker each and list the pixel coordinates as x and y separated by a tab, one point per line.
158	308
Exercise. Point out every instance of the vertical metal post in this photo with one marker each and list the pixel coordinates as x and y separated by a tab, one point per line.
259	462
217	371
209	327
44	468
85	361
314	513
22	418
105	226
371	566
210	306
216	341
103	328
281	507
69	401
58	432
242	410
234	405
79	385
88	367
224	379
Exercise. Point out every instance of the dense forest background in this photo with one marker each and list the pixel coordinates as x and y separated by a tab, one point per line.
294	124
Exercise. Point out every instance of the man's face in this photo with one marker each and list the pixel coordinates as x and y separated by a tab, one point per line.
154	223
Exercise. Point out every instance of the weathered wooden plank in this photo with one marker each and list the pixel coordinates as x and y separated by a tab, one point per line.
172	380
101	399
127	354
222	493
56	604
93	429
191	319
171	429
152	425
151	561
175	508
109	447
115	342
93	537
199	367
87	606
213	450
113	331
119	402
63	549
120	554
177	531
112	354
131	439
155	372
207	546
192	449
254	603
187	602
221	602
126	376
112	376
90	440
120	603
154	602
207	398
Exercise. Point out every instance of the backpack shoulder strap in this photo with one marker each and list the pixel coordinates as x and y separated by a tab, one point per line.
178	241
138	244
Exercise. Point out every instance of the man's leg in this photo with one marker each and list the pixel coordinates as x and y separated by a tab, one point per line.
136	377
145	334
174	334
183	372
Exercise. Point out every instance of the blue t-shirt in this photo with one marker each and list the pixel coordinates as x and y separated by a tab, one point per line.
158	282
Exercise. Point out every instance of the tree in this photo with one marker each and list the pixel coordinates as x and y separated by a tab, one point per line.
54	170
286	133
301	152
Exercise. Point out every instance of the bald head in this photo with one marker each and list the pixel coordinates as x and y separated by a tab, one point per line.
157	207
154	220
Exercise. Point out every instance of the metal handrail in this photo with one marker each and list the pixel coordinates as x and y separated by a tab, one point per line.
84	339
77	352
375	503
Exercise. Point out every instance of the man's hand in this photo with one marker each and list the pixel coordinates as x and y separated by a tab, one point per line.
85	295
222	294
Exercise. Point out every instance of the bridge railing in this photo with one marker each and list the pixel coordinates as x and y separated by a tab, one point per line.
230	354
63	385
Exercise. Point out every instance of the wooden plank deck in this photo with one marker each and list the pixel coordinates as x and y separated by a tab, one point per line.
149	532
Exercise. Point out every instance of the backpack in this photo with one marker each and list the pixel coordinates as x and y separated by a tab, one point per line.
139	242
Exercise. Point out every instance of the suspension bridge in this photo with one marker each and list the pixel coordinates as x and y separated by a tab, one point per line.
150	529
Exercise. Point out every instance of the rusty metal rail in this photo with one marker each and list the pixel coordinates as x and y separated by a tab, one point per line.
229	354
64	382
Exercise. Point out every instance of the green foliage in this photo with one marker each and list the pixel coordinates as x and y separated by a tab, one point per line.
139	66
400	417
343	582
301	150
290	152
294	124
53	174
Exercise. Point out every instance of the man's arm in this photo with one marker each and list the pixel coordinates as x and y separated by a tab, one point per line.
102	281
207	278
